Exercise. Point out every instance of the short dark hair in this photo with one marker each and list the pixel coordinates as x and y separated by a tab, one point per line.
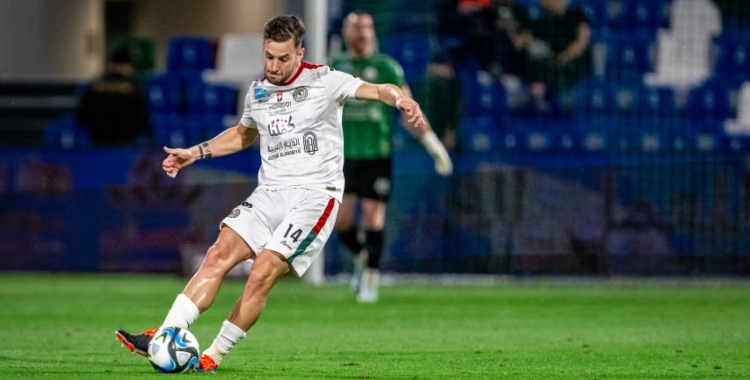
283	28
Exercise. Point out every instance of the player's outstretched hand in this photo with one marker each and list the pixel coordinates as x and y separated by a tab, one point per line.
177	159
412	111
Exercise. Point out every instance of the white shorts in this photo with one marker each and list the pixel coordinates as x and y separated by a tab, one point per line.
293	222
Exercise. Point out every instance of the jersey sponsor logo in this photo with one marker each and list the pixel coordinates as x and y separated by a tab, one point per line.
279	126
235	213
260	94
310	143
300	94
279	105
284	149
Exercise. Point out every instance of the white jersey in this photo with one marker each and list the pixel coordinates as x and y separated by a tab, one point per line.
299	124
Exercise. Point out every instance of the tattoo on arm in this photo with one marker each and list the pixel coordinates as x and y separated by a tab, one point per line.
205	151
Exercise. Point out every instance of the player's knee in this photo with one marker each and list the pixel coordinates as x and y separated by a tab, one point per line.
218	260
267	268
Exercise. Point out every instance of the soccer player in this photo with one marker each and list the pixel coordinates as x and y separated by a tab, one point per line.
368	148
296	110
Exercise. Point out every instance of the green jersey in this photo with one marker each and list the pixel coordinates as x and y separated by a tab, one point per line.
368	124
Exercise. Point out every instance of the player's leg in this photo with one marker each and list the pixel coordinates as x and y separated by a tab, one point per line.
228	250
268	267
348	232
373	220
346	223
297	238
346	226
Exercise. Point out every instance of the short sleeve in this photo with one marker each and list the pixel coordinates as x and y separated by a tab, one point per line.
341	85
247	119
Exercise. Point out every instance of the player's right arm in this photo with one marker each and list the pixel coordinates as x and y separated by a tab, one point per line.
229	141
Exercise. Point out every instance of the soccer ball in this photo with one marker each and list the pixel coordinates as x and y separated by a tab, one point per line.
173	350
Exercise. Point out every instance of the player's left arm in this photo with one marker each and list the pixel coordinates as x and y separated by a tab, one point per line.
400	97
393	96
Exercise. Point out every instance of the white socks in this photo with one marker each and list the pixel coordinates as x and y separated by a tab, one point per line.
228	337
182	314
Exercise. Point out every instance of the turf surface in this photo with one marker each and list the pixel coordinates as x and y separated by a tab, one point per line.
61	326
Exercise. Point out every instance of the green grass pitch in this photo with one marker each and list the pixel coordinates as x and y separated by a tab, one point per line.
60	326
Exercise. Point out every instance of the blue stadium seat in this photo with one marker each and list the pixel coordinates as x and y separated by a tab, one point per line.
210	99
655	103
733	57
483	95
164	94
710	103
413	51
189	54
176	131
65	133
628	56
479	134
594	98
644	15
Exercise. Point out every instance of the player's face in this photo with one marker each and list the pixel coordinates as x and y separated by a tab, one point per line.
359	34
281	60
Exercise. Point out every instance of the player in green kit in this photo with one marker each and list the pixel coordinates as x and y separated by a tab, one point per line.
367	154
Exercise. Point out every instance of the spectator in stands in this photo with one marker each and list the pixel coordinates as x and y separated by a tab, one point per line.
467	29
439	93
114	108
513	23
560	50
368	148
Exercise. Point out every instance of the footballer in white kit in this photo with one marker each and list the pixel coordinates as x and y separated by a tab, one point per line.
301	179
296	110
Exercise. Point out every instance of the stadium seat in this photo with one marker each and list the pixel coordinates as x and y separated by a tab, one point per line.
709	103
176	131
628	56
680	59
413	51
484	95
479	134
210	99
644	15
733	57
695	17
594	98
189	54
654	104
239	60
65	133
164	94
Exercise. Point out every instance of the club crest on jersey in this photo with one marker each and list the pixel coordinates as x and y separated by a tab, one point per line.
310	143
260	94
279	96
300	94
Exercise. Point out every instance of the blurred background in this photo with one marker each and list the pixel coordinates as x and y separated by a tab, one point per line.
590	137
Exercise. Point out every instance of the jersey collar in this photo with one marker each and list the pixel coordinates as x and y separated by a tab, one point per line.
302	66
